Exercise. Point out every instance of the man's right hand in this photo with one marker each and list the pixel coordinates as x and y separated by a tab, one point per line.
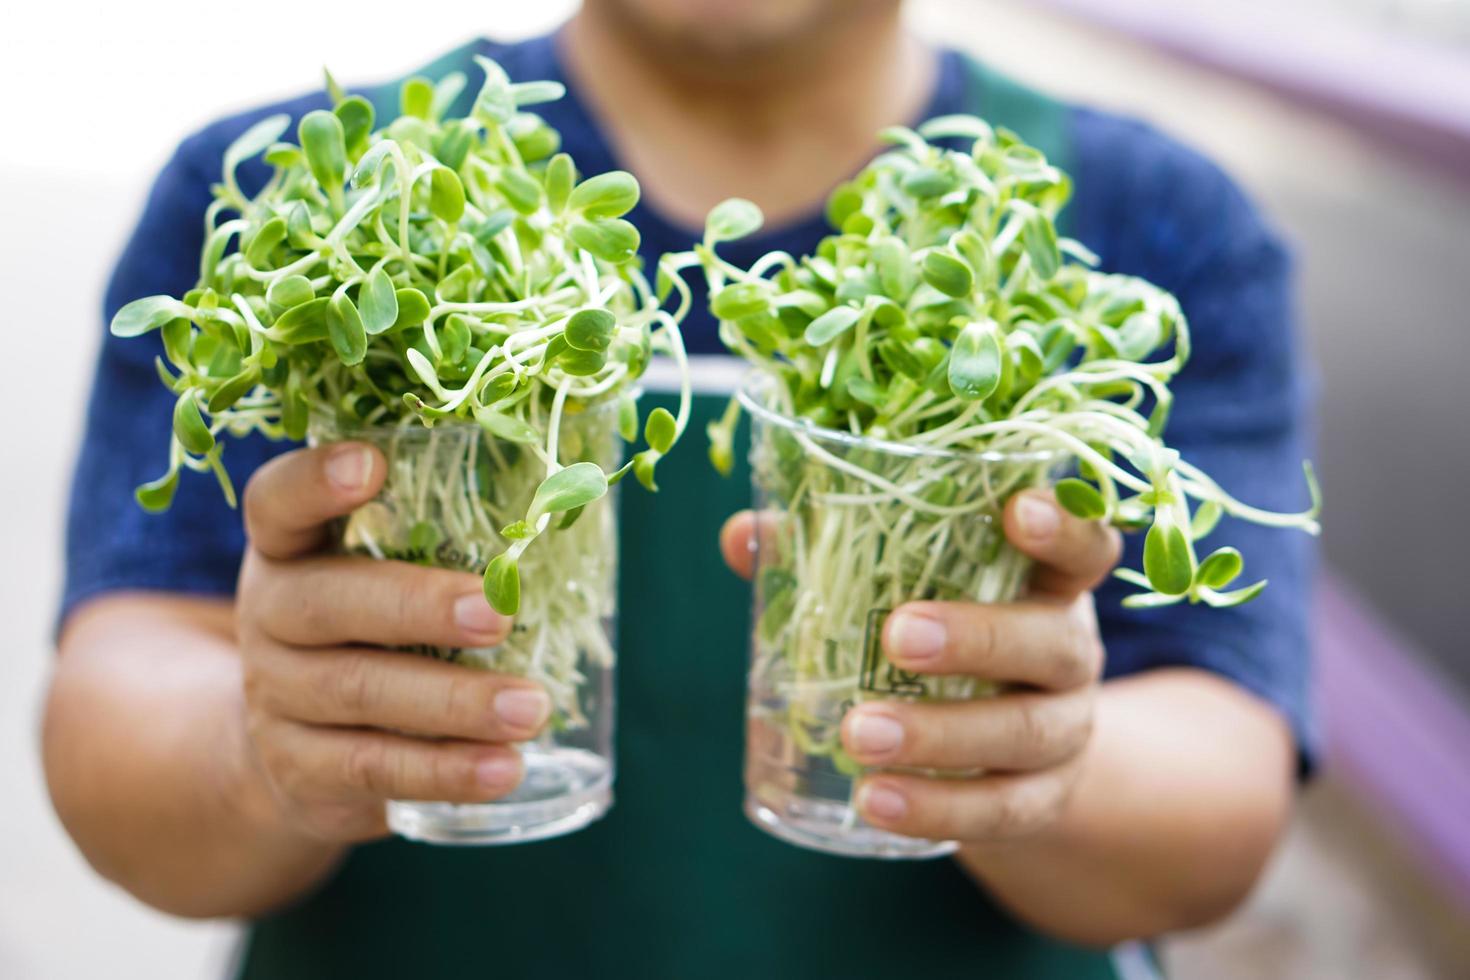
338	724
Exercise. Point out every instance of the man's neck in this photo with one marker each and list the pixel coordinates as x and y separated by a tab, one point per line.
780	129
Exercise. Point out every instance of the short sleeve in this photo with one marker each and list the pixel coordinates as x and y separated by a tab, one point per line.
111	542
1241	406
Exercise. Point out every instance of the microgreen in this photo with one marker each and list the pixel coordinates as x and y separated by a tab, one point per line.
946	316
427	272
942	314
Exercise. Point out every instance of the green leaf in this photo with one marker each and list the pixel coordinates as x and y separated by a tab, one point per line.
189	425
503	585
1039	238
517	531
494	102
739	300
731	219
590	329
370	161
506	427
581	363
627	418
609	195
423	538
575	486
379	302
177	337
156	495
335	92
303	323
923	182
455	287
535	93
644	464
1219	569
345	329
289	291
284	156
299	231
520	190
255	140
356	115
956	127
1166	559
233	390
148	313
975	361
949	274
454	339
322	139
895	268
561	174
1239	597
496	388
831	325
446	195
1139	336
453	144
294	413
1205	518
612	240
1080	499
660	430
865	391
416	97
267	237
446	91
413	308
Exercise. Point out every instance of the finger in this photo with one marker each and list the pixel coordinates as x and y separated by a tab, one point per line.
337	600
1072	555
1049	644
989	808
1020	731
316	763
290	499
737	543
364	687
750	538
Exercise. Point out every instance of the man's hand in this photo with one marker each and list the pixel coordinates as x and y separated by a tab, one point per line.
337	724
1026	743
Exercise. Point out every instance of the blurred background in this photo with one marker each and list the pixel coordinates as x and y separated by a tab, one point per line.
1348	120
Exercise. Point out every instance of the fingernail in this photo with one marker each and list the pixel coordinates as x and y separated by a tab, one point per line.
1038	517
474	615
916	638
498	772
883	802
874	734
350	467
522	707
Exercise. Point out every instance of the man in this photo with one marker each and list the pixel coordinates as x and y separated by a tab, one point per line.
224	751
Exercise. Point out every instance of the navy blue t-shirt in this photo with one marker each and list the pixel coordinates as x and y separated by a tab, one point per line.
1145	204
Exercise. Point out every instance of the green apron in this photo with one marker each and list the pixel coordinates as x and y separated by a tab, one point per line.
673	882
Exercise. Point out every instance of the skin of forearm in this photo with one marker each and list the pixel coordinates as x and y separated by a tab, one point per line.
148	764
1185	788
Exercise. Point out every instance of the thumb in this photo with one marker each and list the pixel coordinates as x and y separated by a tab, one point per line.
290	499
1072	555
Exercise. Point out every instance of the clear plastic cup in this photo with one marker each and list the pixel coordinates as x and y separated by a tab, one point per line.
850	528
449	491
